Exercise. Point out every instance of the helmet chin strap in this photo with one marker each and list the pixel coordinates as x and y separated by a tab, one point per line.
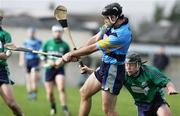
113	22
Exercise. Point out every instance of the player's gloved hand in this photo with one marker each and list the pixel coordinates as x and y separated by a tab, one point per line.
104	29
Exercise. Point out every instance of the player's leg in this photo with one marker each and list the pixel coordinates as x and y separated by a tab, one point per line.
28	81
7	95
111	85
60	82
34	81
90	87
49	84
34	75
109	103
50	96
164	110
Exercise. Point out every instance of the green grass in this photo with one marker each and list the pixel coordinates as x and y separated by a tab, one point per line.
125	104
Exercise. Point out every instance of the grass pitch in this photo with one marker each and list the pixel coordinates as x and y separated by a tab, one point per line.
40	107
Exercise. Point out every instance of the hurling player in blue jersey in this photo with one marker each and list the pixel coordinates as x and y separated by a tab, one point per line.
113	40
32	62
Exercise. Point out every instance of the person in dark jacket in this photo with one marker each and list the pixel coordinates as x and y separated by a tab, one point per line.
161	60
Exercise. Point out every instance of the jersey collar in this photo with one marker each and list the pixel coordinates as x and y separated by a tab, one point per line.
124	23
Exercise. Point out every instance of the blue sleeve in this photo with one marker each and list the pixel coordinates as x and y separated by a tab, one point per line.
113	41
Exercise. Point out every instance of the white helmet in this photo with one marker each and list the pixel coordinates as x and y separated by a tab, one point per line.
31	30
56	28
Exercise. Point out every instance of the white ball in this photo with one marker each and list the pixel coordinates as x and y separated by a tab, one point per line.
8	52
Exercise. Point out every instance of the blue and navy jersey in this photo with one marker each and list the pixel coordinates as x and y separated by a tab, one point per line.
116	42
34	44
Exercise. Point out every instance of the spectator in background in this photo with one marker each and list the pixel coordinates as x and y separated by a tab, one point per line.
32	63
161	60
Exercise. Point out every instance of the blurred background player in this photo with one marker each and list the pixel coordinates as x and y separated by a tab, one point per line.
146	83
6	90
55	75
161	60
32	62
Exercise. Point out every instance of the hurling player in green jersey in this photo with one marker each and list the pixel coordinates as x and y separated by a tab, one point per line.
55	75
146	85
6	91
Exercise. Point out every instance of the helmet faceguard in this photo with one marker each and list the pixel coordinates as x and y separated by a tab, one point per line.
135	59
113	9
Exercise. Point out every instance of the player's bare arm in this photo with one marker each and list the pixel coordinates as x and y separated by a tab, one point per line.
99	35
93	39
86	50
75	55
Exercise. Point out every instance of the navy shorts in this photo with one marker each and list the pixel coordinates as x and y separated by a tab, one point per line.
4	75
111	76
150	109
51	73
34	63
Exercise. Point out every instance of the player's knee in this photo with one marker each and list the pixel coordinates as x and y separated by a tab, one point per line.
62	90
164	110
49	95
83	93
